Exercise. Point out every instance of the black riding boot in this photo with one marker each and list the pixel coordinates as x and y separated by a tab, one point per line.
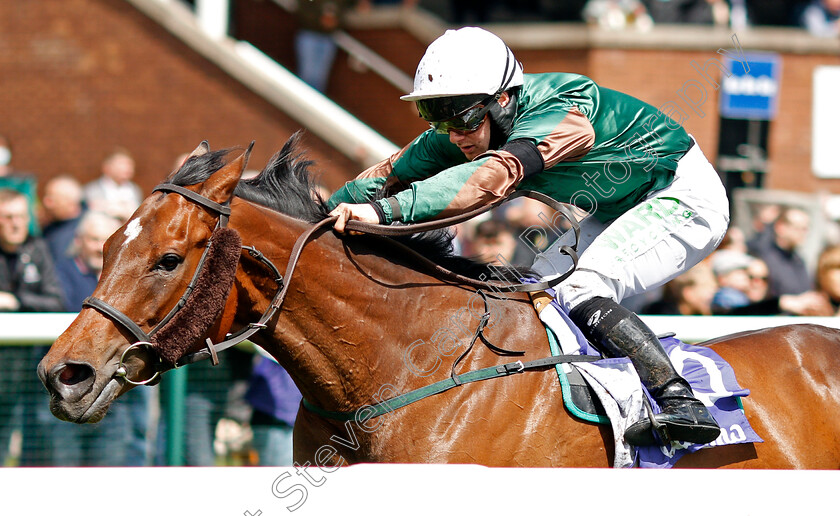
619	332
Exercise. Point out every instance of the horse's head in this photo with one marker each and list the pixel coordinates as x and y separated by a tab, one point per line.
149	264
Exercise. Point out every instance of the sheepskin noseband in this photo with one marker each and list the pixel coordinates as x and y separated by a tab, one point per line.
204	306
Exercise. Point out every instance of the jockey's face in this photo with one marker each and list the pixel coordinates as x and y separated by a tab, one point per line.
472	143
475	143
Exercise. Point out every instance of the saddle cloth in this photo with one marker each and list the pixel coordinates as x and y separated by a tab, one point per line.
617	387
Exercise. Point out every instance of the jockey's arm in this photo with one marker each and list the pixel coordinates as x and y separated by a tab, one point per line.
425	156
466	186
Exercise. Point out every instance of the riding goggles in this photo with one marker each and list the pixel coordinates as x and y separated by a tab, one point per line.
438	112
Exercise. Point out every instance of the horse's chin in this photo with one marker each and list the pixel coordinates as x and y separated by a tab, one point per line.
85	411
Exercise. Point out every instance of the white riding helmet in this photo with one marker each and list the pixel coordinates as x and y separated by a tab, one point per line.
467	61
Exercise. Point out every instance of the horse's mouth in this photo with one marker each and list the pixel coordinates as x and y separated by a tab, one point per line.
94	412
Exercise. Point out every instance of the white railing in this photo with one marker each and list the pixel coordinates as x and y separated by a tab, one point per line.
36	328
380	66
33	328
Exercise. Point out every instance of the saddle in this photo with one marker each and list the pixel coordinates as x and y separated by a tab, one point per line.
579	397
711	378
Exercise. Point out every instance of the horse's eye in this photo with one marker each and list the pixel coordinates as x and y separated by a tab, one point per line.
169	262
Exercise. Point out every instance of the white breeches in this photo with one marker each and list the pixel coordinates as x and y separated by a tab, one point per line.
666	234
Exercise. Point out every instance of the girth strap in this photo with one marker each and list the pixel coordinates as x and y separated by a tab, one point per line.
371	411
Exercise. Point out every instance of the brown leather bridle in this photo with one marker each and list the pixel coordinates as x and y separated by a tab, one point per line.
211	350
146	339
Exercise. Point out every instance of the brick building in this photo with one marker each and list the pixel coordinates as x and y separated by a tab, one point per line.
80	77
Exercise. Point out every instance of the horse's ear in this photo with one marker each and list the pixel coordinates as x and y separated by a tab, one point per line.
219	187
203	148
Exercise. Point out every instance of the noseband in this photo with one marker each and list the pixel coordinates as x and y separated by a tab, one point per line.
142	338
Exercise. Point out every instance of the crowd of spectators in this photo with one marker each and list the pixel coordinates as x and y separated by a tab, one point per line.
319	20
762	275
817	16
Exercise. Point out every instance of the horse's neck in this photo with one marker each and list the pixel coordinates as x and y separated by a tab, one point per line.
355	323
349	317
320	337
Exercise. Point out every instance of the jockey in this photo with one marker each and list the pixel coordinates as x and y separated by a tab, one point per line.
657	207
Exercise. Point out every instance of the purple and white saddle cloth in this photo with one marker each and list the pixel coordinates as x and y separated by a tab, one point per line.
619	389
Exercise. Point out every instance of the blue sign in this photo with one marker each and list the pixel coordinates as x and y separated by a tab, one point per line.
752	91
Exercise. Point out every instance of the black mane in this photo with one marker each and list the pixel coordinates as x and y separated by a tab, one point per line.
286	186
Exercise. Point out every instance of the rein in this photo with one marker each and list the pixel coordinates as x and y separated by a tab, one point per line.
570	251
211	350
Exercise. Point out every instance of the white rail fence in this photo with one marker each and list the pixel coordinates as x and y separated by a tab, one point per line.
38	328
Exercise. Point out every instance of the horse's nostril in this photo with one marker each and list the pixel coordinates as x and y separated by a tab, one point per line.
71	374
71	380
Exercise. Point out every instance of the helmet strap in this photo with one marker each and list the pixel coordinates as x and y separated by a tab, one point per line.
501	119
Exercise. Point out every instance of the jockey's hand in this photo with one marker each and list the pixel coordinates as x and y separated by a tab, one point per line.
360	212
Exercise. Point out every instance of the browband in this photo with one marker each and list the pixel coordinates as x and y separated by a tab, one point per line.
222	209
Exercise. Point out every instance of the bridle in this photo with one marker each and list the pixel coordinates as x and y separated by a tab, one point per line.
146	339
211	350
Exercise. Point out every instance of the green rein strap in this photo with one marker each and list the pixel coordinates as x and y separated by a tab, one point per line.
371	411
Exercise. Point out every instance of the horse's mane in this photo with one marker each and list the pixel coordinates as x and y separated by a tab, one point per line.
286	185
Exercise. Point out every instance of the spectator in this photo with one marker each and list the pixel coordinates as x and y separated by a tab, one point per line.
734	240
822	18
275	399
788	273
314	45
63	208
828	276
120	439
704	12
759	276
763	217
535	226
688	294
494	243
734	272
114	192
78	272
23	182
617	14
27	274
27	284
730	268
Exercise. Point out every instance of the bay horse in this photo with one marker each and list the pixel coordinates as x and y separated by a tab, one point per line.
362	321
